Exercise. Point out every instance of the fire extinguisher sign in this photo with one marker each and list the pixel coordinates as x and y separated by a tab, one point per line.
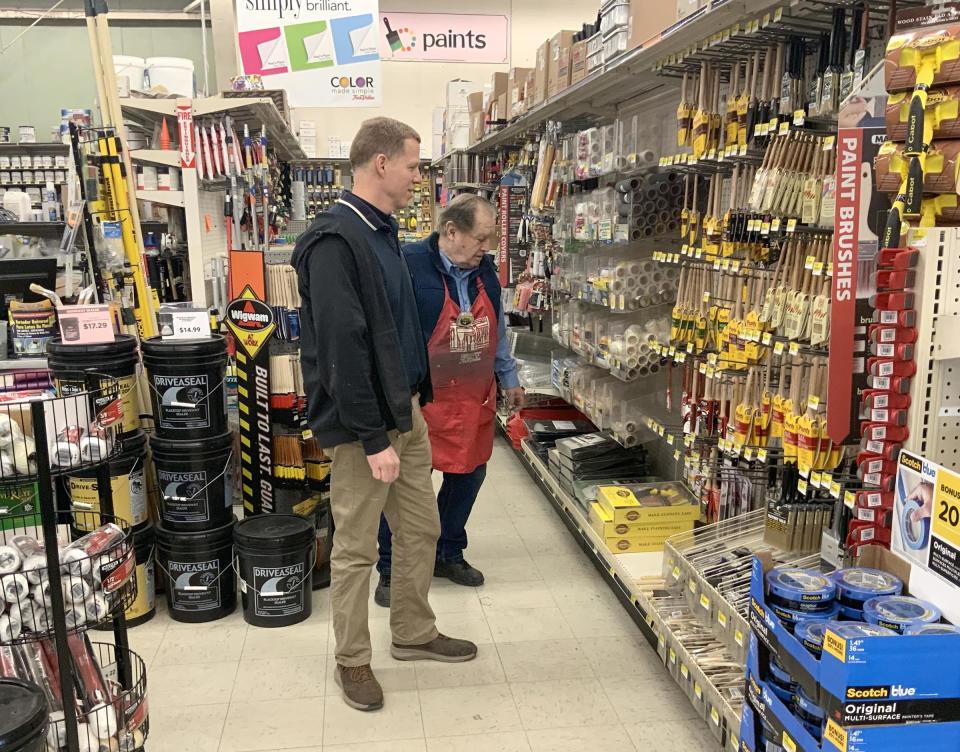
188	150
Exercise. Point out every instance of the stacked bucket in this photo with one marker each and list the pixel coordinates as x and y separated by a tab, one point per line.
192	448
75	368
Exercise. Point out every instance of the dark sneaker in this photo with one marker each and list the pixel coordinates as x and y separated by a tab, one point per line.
361	690
441	648
459	572
382	594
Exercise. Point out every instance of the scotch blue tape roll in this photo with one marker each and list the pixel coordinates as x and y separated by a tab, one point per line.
914	532
940	629
807	708
900	612
790	619
850	614
785	694
810	634
857	585
781	676
852	630
801	585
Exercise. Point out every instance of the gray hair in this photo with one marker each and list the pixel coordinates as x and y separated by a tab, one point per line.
462	211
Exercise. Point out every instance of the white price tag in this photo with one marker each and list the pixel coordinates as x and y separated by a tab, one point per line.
184	324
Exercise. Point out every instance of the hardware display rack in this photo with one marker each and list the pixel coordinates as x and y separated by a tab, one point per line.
752	232
96	692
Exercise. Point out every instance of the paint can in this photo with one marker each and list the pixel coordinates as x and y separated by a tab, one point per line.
23	716
194	479
127	482
117	359
187	391
200	579
173	74
275	558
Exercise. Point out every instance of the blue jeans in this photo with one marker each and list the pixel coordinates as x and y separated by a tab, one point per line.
456	498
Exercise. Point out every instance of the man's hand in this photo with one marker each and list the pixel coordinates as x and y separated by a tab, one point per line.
515	398
385	465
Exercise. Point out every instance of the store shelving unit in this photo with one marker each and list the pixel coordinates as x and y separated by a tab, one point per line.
202	200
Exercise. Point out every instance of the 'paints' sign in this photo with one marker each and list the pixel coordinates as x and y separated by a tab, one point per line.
444	37
323	52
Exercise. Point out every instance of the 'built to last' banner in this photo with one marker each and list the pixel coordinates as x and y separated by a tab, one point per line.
325	53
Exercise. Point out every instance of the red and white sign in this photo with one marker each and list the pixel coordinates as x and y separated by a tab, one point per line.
843	313
188	151
444	37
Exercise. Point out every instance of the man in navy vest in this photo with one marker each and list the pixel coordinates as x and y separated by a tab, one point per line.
461	316
367	378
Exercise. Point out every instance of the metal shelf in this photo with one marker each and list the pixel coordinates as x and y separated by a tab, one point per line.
255	113
632	75
168	198
167	157
50	146
24	364
32	228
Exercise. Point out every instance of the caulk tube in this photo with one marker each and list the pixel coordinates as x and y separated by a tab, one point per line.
10	559
65	448
88	547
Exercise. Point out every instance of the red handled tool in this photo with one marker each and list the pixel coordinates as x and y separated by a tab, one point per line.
898	384
889	279
897	301
887	367
889	350
889	333
906	319
878	400
882	432
898	258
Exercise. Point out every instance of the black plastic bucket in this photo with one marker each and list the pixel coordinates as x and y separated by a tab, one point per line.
127	480
201	584
144	607
118	359
194	482
187	388
23	717
275	556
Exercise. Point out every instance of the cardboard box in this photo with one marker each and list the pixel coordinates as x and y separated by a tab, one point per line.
477	121
648	502
602	521
457	92
515	83
475	102
578	61
499	82
557	79
541	75
500	108
648	19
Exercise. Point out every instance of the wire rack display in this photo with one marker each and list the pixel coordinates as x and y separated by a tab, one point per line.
79	427
62	571
95	572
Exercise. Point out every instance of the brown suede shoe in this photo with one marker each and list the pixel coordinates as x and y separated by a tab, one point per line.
361	690
441	648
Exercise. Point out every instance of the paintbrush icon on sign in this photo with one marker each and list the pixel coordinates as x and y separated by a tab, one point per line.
393	38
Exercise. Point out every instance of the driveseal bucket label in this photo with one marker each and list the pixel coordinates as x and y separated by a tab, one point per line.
279	591
183	401
184	496
202	575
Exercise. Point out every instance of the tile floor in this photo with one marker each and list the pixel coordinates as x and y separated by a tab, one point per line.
561	666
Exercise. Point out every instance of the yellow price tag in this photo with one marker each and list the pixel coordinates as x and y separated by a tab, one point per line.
698	690
767	338
808	262
792	224
670	439
673	655
775	224
946	517
835	489
818	269
684	671
747	453
706	297
762	455
815	479
850	499
803	486
794	348
799	117
693	586
813	402
778	348
784	128
704	601
828	143
676	455
722	618
738	637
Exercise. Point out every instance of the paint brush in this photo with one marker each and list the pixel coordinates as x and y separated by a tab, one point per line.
847	78
393	38
754	101
683	114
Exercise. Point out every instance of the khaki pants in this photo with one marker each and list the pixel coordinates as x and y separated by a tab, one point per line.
410	506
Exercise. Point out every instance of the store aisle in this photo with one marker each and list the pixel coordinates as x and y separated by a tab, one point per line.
561	665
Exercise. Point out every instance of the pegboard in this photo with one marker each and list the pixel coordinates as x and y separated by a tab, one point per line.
935	390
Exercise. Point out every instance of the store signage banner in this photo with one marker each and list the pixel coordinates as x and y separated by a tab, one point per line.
323	52
926	530
444	37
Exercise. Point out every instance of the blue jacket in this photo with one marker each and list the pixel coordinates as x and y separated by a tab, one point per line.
429	274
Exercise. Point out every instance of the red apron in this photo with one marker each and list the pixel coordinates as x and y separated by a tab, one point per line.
462	357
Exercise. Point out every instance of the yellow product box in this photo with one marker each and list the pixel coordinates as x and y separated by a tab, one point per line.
633	546
648	502
602	521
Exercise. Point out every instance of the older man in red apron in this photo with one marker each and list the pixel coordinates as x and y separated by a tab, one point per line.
458	298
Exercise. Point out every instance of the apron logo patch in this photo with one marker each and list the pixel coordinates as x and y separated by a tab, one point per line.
469	339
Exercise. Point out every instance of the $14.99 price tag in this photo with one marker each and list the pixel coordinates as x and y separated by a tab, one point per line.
193	323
